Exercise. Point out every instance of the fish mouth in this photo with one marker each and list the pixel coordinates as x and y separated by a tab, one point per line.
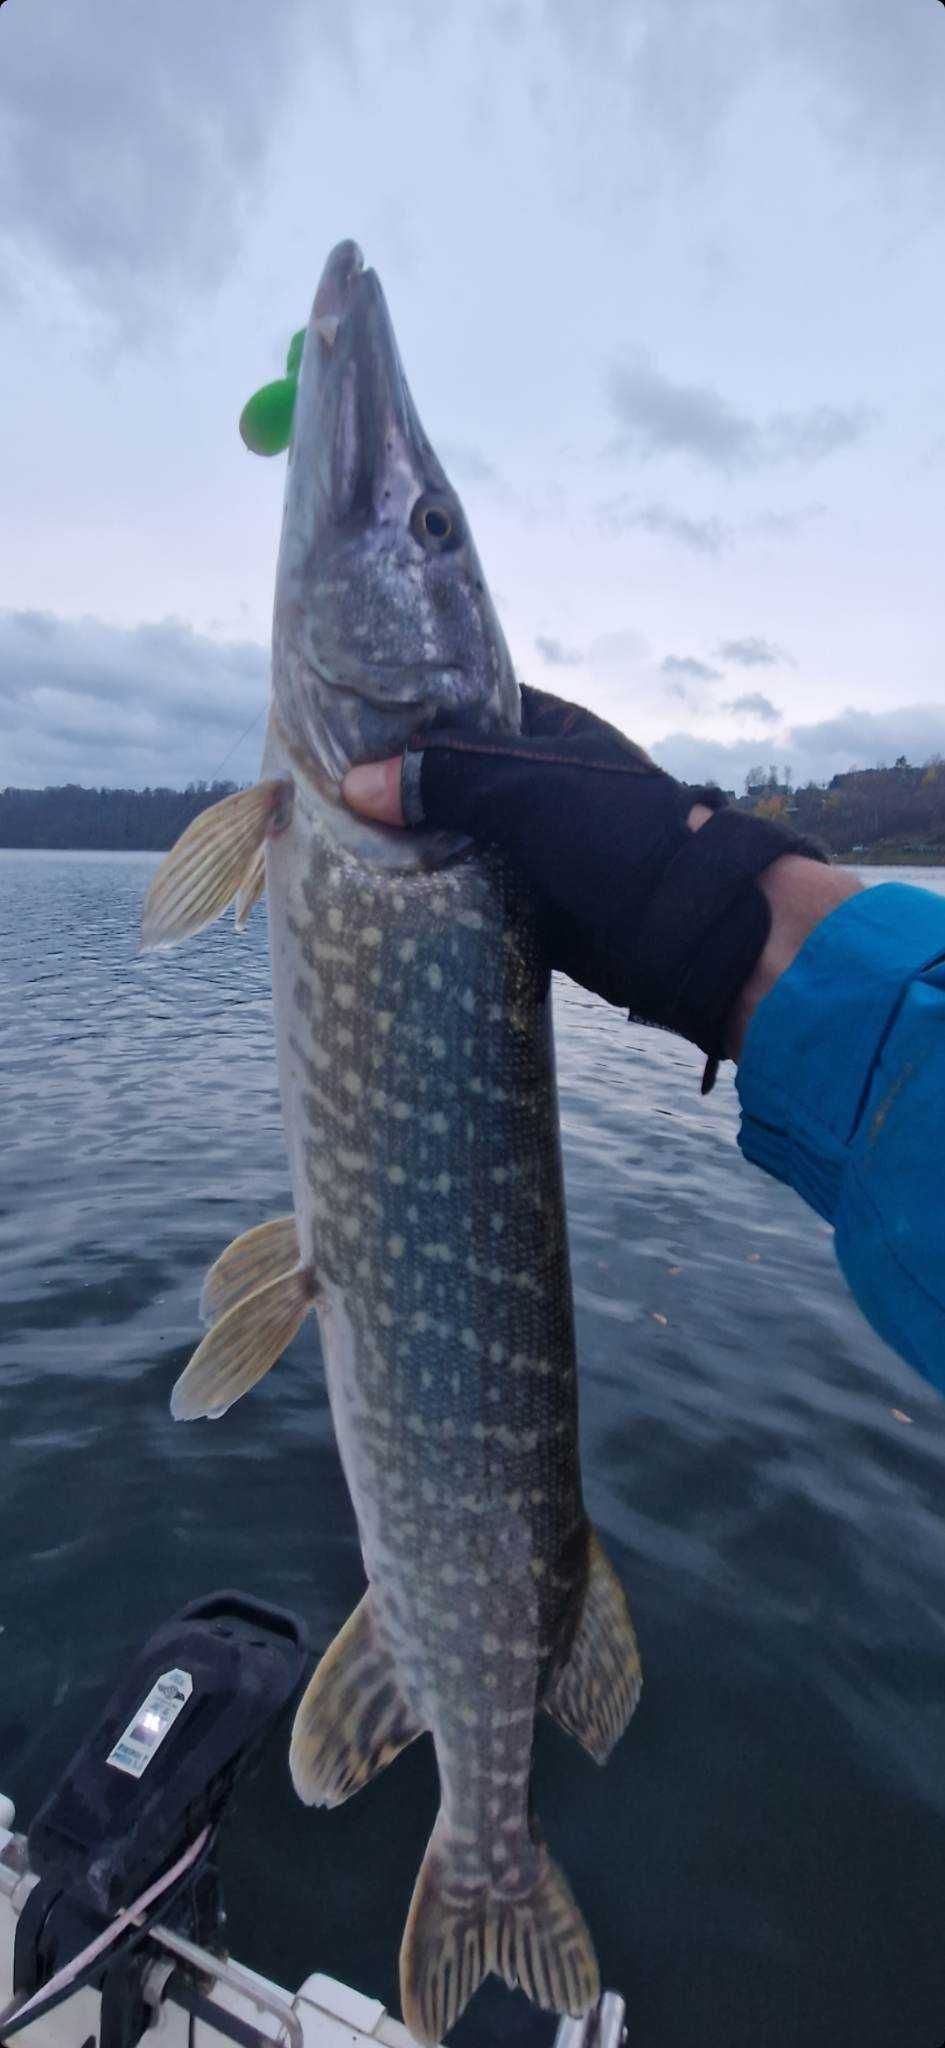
380	459
338	280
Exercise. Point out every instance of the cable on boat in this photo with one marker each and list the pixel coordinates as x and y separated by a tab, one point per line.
78	1972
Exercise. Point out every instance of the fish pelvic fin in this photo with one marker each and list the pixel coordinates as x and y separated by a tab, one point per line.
263	1254
456	1934
352	1719
242	1345
204	870
595	1691
251	887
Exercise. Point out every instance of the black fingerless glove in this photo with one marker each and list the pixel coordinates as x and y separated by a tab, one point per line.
659	919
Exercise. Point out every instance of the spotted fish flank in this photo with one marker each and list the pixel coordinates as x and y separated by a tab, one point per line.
416	1072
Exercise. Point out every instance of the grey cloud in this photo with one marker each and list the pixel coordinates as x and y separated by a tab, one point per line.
134	134
754	705
809	436
692	759
881	67
752	652
784	525
851	739
658	416
130	136
87	702
686	668
706	536
870	739
703	536
555	654
869	71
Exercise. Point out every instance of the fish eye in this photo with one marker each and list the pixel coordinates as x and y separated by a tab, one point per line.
435	524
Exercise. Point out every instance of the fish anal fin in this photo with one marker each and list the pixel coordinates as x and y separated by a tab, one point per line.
260	1255
204	870
252	886
352	1719
536	1938
242	1345
595	1691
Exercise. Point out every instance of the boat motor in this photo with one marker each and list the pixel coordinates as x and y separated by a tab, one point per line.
128	1835
114	1893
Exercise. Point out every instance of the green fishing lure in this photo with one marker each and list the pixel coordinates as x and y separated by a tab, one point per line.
266	418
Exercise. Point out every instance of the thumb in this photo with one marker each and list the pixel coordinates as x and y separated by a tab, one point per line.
373	790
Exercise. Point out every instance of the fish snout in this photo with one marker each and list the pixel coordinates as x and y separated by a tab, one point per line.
343	268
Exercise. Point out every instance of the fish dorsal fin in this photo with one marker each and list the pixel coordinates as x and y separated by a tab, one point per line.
249	1262
597	1688
352	1719
251	888
204	870
242	1345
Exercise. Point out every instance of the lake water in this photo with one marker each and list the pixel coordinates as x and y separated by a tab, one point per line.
763	1861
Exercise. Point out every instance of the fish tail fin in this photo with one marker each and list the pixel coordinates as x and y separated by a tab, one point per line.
457	1931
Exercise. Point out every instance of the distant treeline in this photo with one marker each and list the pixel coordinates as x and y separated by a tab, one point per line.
109	820
900	810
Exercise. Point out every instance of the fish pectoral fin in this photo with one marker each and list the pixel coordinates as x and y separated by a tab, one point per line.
252	886
597	1688
352	1719
260	1255
242	1345
204	870
536	1938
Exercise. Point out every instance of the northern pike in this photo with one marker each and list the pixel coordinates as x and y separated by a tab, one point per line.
417	1080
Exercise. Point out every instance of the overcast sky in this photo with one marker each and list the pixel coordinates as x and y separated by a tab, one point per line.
669	282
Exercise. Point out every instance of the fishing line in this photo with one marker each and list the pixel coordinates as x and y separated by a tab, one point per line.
254	721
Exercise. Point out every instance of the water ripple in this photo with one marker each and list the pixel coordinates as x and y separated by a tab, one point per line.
763	1860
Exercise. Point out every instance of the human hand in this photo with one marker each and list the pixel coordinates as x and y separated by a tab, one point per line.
634	901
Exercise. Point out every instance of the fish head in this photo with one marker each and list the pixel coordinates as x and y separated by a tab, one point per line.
383	624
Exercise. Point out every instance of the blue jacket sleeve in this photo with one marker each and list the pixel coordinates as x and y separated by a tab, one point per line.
842	1090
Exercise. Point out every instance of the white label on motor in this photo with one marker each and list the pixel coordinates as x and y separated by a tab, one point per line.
133	1750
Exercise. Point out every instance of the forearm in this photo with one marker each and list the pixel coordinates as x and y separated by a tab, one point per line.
840	1036
800	894
839	1033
